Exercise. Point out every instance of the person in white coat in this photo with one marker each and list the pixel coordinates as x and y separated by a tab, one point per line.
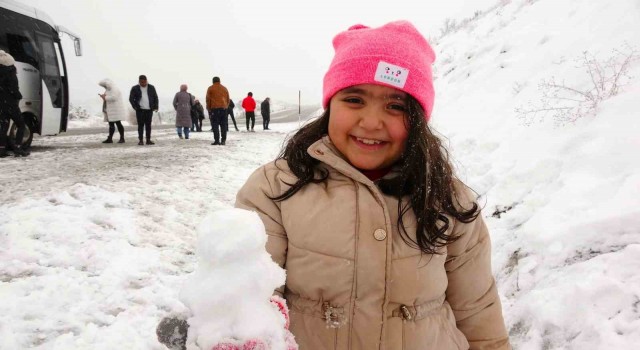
113	109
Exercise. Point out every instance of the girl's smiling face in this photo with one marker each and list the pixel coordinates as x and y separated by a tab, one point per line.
367	124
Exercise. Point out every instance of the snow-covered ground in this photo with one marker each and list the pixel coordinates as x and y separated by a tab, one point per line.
96	240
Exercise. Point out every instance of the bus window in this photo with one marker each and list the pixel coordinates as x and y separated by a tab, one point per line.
23	50
16	37
49	71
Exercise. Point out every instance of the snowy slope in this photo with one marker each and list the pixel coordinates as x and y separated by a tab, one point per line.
567	247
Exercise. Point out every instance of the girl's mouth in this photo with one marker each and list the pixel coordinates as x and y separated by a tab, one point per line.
368	144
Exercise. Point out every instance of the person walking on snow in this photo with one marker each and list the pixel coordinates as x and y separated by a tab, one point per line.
10	97
230	113
112	109
217	103
182	103
265	110
144	100
249	105
199	111
405	262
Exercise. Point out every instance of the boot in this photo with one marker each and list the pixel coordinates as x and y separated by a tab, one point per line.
149	142
121	139
3	153
108	140
180	136
140	143
20	152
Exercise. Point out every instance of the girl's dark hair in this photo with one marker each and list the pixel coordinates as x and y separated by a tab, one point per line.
425	176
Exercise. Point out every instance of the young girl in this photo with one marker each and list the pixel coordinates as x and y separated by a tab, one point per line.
384	247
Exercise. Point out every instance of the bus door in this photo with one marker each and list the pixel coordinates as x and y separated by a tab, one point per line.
52	88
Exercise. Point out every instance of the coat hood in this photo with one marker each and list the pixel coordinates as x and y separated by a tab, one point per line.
6	59
106	83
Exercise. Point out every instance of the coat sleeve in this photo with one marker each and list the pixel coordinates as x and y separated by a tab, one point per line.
255	196
132	99
154	102
14	87
175	102
471	290
112	96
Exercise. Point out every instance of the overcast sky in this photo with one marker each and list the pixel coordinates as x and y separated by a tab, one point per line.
272	48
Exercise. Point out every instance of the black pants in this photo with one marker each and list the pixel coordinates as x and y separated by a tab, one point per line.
251	116
112	129
144	122
230	112
219	123
196	124
16	116
265	121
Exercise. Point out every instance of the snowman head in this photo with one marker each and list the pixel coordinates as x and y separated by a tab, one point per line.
231	235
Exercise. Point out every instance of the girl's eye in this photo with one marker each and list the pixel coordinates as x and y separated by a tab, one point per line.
352	100
397	107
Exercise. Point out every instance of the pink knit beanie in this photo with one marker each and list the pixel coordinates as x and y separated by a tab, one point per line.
394	55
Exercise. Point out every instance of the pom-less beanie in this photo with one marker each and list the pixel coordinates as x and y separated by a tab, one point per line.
394	55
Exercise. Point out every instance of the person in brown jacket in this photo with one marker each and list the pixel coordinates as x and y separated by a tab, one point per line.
383	246
217	103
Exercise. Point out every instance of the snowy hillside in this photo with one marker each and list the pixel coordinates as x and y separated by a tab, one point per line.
564	196
97	240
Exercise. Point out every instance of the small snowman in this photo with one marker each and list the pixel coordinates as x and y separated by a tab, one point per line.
230	294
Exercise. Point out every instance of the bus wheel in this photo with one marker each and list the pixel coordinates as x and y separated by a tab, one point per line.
27	137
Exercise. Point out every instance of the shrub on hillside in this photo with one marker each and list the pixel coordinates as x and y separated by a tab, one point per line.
566	103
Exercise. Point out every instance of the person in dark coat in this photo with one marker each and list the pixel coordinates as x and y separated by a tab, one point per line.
199	113
10	96
265	110
230	112
144	100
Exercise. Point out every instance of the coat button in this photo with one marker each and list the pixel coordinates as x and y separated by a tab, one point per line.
319	152
380	234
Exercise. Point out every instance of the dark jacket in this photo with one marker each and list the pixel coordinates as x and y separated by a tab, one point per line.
9	91
136	94
199	110
231	105
265	108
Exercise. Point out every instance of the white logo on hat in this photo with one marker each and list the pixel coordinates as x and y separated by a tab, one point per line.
391	74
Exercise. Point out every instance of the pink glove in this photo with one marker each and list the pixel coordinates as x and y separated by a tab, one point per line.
282	307
257	344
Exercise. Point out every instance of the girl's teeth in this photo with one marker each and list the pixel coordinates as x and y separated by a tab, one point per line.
369	142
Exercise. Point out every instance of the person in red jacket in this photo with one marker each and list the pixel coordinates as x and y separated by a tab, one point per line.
249	105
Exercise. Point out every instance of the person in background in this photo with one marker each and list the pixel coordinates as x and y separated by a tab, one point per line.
199	112
112	109
217	103
10	97
230	113
194	115
384	246
144	100
182	103
265	110
249	105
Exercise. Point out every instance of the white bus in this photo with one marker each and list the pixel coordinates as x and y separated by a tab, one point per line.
32	38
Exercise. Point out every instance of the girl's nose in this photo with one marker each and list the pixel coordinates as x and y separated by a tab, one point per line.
370	119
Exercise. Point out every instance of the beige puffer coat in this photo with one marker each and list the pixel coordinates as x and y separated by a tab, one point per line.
353	283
